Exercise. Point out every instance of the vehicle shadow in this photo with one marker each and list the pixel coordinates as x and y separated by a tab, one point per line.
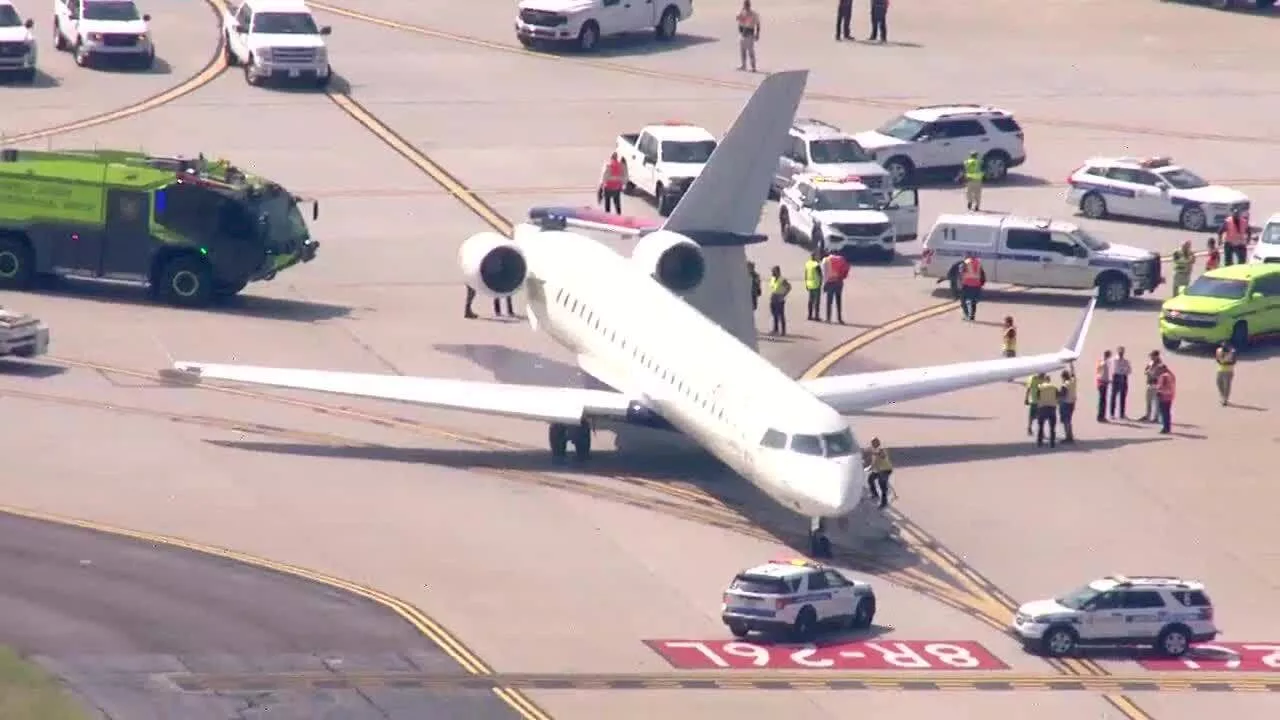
159	66
1259	350
42	80
1065	298
638	44
37	371
338	85
1271	12
252	306
830	637
942	181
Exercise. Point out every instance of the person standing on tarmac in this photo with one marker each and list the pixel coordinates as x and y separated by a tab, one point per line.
834	271
1152	374
844	13
1009	339
971	278
879	24
1046	410
1234	236
497	307
1184	261
881	468
1225	355
1214	259
755	285
1120	371
813	283
1102	378
1067	406
1166	387
778	289
1032	400
748	35
468	313
613	179
972	176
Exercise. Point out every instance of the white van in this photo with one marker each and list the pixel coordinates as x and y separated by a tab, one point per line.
1040	253
1268	248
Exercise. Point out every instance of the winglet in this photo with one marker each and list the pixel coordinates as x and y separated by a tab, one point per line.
1075	344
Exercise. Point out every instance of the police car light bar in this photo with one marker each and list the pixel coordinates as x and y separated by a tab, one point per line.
559	218
798	562
1158	161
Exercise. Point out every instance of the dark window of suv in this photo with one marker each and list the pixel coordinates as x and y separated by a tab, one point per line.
817	581
1192	598
1006	124
760	584
1142	600
958	129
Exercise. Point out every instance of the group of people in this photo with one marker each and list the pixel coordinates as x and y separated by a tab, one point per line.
748	21
1229	247
824	276
1111	377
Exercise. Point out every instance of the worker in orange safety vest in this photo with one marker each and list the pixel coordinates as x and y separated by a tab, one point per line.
612	180
1234	236
1166	387
971	277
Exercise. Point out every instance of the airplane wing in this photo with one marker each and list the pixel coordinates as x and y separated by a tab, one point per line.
528	402
852	393
589	218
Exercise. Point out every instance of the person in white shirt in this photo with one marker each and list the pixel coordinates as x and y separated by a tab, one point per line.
1102	378
1120	372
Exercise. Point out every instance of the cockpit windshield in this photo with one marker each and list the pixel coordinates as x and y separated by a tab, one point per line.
807	444
837	444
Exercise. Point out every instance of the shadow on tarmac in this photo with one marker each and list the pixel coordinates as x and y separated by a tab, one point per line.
926	455
251	306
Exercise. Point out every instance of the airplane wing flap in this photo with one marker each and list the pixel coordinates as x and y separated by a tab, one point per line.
529	402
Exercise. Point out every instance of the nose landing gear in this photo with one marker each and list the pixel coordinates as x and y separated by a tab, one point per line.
559	436
819	543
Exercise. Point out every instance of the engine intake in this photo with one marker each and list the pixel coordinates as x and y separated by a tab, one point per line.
673	259
492	264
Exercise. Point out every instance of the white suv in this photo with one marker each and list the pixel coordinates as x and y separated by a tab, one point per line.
17	44
100	29
1167	613
797	597
936	139
276	39
818	147
1268	248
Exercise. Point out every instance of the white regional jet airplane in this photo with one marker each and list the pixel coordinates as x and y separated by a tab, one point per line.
671	366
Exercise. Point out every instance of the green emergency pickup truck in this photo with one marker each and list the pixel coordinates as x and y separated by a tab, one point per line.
191	230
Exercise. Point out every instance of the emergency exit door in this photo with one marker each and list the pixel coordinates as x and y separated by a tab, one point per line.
127	242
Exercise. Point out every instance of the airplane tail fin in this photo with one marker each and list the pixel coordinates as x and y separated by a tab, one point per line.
724	202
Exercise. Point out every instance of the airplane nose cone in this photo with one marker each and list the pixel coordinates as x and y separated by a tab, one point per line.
840	489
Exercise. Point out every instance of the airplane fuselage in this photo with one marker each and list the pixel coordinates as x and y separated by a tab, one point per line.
634	334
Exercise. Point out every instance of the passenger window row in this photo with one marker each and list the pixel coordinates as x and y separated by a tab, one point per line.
579	308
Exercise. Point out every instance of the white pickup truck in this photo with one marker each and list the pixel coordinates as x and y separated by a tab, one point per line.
22	335
276	39
17	44
581	23
662	160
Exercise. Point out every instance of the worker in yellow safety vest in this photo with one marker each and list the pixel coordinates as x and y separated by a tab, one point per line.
813	283
1184	261
880	469
1226	357
1009	341
1067	405
1046	410
973	176
1032	399
778	289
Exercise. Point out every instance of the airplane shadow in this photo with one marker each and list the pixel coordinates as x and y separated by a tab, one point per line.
926	455
669	464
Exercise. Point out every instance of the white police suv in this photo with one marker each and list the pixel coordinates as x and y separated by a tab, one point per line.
1167	613
845	215
796	597
1151	189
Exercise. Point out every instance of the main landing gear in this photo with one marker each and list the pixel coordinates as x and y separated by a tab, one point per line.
819	543
561	435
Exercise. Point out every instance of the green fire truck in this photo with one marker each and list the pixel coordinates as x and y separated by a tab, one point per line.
191	230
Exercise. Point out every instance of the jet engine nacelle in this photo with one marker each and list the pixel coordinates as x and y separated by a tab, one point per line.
492	264
673	259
